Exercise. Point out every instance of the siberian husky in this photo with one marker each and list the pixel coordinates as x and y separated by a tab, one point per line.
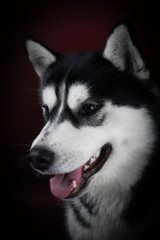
100	144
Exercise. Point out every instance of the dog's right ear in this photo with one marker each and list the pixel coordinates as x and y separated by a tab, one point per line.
39	54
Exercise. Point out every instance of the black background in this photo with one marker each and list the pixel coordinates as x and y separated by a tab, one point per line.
29	209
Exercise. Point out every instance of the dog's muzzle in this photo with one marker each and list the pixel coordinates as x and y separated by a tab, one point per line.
40	159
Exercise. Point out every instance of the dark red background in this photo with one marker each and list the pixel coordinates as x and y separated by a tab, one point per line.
66	26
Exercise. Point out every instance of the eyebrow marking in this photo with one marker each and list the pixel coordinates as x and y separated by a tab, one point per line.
77	94
49	97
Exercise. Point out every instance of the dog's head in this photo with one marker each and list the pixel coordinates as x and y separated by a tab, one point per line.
98	126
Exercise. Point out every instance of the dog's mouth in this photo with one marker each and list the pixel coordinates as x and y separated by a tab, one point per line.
71	184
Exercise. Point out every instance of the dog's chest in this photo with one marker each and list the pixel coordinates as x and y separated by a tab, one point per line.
91	220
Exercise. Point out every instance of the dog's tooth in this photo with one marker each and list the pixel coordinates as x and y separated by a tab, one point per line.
97	154
86	167
74	184
93	159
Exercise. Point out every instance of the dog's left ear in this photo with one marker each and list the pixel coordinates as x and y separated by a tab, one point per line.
40	55
121	50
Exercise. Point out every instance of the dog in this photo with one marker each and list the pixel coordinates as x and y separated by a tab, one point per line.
101	140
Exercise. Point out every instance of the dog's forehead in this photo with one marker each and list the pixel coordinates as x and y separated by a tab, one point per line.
73	95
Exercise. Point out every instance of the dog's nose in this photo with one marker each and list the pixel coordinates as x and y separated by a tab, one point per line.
41	159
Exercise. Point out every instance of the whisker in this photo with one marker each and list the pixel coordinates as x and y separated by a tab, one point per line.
22	160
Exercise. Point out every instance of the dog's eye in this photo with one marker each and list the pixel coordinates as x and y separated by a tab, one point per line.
45	110
88	109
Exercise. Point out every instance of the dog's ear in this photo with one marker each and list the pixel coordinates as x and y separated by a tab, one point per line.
122	50
39	54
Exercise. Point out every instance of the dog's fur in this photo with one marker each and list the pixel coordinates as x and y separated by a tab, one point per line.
120	201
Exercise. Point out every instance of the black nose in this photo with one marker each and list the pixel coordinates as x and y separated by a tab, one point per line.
41	159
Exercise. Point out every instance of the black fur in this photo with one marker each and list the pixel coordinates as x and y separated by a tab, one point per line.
89	205
81	219
106	82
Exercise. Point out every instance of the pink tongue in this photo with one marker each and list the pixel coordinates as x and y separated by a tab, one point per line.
61	185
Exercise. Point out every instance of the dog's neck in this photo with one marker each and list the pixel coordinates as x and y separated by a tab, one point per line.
87	215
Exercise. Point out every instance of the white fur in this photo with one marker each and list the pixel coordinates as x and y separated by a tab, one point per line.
37	141
78	93
49	97
109	206
130	132
40	57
